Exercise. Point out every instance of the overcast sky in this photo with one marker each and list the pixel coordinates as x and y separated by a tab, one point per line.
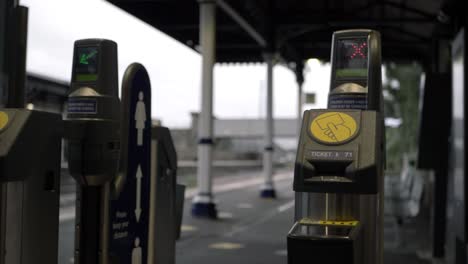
174	69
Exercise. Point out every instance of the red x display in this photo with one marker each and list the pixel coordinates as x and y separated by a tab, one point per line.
359	51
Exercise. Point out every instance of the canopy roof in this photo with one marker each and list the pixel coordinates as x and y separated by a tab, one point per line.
300	29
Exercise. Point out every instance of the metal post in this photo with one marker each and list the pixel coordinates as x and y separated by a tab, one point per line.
300	198
4	8
300	95
441	69
299	107
268	189
16	58
203	203
6	24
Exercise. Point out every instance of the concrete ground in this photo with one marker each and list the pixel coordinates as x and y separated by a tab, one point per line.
251	230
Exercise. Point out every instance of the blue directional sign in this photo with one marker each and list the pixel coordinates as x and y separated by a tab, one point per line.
129	213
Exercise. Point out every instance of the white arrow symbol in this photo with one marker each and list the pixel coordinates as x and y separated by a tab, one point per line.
139	175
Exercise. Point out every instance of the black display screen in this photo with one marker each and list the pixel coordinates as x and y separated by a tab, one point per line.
86	64
351	58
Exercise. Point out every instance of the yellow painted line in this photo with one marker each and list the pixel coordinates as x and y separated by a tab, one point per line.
307	221
226	246
339	223
225	215
188	228
3	120
245	206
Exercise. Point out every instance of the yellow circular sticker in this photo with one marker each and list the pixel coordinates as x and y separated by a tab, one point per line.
3	120
333	127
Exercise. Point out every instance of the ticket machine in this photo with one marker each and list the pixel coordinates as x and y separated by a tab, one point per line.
339	163
125	170
92	132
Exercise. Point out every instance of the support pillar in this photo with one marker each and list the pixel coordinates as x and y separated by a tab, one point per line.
441	73
7	8
300	95
300	102
4	9
203	203
300	198
268	189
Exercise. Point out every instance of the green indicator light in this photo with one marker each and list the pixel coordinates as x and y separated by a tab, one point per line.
85	57
343	73
86	77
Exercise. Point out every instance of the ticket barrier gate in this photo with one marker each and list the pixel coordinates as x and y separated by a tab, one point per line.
339	163
165	208
30	182
122	199
179	203
30	152
93	134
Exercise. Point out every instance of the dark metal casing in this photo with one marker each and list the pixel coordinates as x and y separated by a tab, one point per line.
370	85
163	226
351	167
328	244
30	151
92	126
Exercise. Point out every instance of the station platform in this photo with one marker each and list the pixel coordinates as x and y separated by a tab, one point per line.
250	229
253	230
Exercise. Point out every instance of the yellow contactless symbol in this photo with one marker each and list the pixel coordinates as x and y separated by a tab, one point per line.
3	120
333	127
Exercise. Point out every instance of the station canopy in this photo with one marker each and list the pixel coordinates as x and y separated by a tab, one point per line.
299	29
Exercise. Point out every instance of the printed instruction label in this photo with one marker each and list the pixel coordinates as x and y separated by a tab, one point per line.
120	225
341	102
82	106
329	155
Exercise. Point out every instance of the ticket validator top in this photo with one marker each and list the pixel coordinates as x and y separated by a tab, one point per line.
93	112
341	148
356	70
